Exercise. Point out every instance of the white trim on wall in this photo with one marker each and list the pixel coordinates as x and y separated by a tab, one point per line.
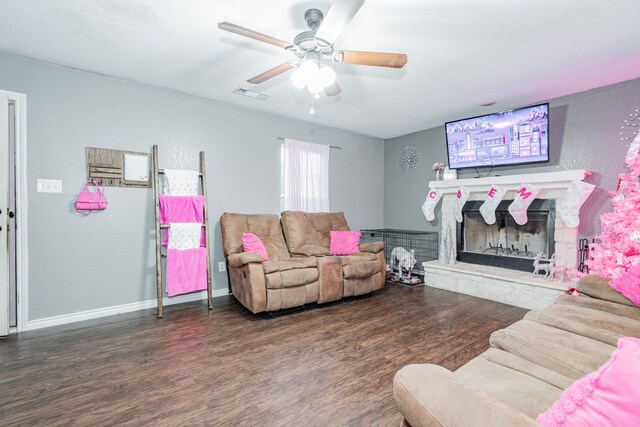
22	254
117	309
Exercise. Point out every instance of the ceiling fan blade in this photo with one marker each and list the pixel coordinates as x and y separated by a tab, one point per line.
237	29
375	59
275	71
337	18
333	90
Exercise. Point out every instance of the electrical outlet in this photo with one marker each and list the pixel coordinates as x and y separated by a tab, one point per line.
222	266
49	186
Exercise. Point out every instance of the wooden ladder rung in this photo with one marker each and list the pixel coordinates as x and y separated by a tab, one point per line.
169	225
162	171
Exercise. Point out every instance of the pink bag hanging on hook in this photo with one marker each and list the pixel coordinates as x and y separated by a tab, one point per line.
91	200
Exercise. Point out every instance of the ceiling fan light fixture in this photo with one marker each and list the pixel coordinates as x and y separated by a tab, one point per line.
315	85
327	76
298	78
309	68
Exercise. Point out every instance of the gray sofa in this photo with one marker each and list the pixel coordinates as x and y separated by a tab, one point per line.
527	365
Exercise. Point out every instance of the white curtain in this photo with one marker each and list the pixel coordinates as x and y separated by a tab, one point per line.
305	168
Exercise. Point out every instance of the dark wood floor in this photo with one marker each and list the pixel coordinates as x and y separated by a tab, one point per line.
331	366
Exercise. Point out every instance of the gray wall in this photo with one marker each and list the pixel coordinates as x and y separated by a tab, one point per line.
584	133
107	259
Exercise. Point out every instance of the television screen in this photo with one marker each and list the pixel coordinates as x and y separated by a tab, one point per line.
508	138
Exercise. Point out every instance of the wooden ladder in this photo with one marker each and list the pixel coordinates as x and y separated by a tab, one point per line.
159	254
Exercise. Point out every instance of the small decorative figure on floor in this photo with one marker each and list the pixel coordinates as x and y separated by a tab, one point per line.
556	269
538	266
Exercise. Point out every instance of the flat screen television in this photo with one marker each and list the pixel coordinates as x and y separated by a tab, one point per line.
512	137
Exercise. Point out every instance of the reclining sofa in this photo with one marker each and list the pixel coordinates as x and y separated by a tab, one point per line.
527	366
292	279
308	236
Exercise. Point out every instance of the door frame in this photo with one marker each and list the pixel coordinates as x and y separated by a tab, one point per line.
22	252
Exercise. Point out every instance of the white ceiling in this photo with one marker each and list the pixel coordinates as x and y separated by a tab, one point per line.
461	52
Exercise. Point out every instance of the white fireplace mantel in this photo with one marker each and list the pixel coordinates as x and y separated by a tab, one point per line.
446	273
545	181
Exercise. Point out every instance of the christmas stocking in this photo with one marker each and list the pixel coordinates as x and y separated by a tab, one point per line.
430	204
524	196
575	197
488	208
461	199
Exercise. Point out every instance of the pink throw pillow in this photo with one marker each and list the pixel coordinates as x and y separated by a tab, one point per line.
252	243
628	284
607	397
344	242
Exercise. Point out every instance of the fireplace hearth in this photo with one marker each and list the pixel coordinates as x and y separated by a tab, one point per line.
506	244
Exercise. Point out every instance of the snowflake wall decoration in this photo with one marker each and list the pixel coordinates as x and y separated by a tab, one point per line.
409	160
631	126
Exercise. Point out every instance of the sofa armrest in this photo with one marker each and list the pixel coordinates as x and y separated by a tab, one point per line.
598	287
430	395
373	247
311	250
243	258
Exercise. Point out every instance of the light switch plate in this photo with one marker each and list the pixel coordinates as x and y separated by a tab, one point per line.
222	267
49	186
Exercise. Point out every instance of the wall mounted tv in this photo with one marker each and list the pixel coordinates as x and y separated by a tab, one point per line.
511	137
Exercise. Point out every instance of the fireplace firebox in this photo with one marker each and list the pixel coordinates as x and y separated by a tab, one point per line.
506	244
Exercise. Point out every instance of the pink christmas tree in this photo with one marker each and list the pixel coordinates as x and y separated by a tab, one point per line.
618	245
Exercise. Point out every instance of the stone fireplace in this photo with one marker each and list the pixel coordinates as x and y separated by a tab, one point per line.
495	261
506	244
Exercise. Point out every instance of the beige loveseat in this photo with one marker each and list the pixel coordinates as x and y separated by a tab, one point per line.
527	366
308	236
281	282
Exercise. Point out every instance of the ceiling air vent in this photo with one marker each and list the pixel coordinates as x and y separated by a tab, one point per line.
251	94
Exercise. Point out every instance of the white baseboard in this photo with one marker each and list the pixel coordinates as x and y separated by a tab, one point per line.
116	309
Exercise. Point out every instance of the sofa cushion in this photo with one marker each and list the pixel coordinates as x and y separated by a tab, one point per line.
312	250
568	354
358	258
516	389
292	264
359	267
598	325
599	287
598	304
430	395
266	227
511	361
252	243
344	242
372	247
290	278
305	228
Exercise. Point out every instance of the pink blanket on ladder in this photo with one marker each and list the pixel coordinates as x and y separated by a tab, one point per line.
181	209
186	270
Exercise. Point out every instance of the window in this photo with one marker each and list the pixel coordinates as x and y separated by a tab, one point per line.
304	176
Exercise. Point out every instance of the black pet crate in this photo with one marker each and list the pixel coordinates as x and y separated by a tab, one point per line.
423	243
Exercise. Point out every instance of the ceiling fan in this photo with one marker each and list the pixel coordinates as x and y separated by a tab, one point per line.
314	46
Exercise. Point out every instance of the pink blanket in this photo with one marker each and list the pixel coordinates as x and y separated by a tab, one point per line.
181	209
186	270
